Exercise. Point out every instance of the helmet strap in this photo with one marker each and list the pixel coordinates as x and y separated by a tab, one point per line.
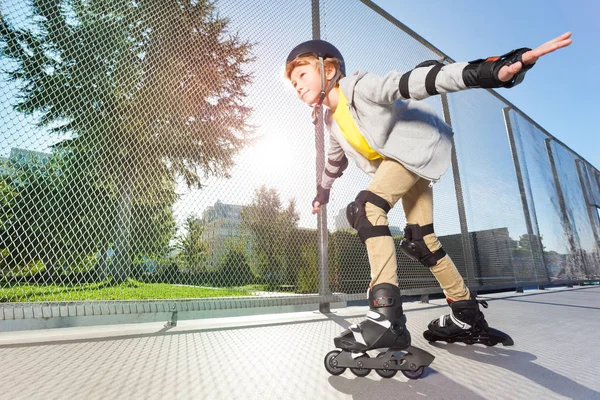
323	92
332	82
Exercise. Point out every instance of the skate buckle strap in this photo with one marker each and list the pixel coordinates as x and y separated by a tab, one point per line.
356	332
378	319
383	302
459	323
483	303
442	321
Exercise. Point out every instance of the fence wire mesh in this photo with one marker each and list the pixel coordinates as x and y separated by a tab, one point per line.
152	150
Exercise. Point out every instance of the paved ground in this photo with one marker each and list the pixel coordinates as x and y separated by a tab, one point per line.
556	353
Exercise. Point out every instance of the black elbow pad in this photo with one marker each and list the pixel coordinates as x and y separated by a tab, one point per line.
429	80
341	165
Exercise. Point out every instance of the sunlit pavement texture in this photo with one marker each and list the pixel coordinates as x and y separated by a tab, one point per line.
556	356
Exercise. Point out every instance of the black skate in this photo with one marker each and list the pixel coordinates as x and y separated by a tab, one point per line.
383	328
466	324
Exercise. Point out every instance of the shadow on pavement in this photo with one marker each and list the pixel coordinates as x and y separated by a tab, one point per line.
431	385
521	363
553	304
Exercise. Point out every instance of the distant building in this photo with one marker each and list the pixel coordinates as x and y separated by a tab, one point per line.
221	220
4	165
21	157
24	156
221	223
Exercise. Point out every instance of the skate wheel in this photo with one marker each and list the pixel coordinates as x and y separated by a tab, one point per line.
416	374
331	363
385	373
361	372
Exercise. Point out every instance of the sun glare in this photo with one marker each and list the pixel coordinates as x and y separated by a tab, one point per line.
271	156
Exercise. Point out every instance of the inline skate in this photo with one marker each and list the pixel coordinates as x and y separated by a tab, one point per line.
383	328
466	324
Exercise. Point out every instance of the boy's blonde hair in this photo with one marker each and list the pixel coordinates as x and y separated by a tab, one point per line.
311	59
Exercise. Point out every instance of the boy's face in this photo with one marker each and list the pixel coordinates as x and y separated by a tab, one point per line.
306	80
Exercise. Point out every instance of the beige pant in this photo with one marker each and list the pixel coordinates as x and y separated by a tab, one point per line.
394	182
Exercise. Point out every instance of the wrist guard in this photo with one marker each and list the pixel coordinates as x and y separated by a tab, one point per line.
483	73
322	196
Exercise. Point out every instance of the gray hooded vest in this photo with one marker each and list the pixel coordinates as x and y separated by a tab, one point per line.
399	128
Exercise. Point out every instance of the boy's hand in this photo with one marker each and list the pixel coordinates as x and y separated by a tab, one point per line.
316	207
507	72
321	198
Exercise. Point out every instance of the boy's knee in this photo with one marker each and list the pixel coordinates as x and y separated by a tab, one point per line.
359	219
376	215
421	244
432	242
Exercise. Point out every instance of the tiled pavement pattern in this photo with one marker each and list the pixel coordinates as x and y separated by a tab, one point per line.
280	356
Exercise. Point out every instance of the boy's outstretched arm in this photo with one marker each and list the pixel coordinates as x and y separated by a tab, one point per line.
432	77
530	57
334	168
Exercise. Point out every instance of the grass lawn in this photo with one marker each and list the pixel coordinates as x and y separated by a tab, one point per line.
128	290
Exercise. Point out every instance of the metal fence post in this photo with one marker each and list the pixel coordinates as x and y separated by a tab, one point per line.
468	248
561	201
536	246
322	233
588	203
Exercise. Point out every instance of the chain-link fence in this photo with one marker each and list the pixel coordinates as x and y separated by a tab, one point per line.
152	151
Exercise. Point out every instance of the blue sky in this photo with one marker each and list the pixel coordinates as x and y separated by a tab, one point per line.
561	92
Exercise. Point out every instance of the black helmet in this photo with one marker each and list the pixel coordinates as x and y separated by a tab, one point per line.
320	48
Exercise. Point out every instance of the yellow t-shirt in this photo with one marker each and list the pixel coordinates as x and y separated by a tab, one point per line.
350	130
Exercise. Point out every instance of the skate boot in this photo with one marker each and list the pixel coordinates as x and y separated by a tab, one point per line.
466	324
383	328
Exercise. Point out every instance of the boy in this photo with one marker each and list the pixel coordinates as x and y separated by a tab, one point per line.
406	147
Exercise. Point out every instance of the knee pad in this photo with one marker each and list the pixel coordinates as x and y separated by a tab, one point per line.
357	216
414	246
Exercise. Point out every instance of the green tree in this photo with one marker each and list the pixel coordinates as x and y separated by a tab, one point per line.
33	231
234	269
308	275
528	242
153	224
150	93
7	199
348	263
193	250
54	215
271	228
